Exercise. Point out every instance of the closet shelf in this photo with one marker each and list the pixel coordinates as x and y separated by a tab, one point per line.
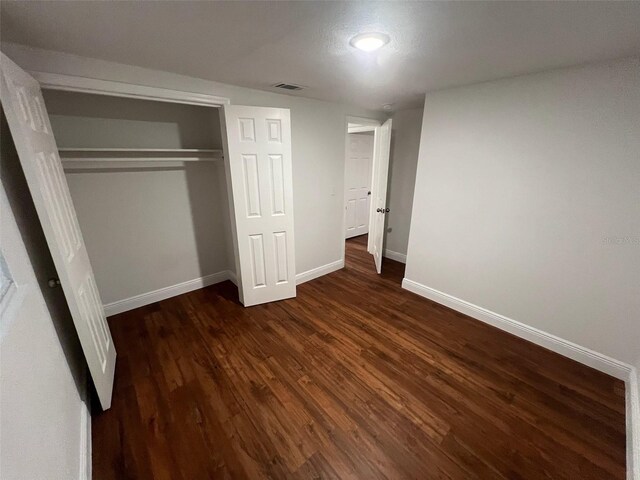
134	157
102	157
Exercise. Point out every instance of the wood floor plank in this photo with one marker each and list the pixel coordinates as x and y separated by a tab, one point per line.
355	378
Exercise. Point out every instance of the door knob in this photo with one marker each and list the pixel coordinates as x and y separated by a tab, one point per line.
379	210
386	210
53	282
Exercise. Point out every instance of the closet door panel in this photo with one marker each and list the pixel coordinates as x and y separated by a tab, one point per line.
259	171
31	131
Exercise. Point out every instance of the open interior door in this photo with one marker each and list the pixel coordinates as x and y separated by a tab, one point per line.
31	130
357	184
258	167
379	208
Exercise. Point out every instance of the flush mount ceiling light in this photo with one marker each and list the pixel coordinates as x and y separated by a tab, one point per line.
369	42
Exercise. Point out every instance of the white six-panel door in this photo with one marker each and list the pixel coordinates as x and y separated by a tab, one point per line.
31	131
379	204
259	172
357	181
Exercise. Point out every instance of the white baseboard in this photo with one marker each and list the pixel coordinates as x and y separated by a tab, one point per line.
84	472
166	292
576	352
190	285
397	256
633	426
319	271
571	350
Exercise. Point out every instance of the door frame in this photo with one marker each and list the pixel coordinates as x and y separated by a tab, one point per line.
369	124
74	83
96	86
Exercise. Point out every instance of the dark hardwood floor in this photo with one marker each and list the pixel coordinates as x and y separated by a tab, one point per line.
355	378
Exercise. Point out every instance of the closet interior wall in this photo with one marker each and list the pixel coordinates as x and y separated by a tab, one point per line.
149	226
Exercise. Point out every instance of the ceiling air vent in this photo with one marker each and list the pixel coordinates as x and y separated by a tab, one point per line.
287	86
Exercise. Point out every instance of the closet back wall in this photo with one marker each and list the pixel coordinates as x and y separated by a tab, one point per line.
85	120
145	228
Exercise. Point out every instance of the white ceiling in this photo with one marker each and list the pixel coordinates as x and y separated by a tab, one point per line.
256	44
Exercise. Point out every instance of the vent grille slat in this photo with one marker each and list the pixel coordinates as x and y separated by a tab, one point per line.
287	86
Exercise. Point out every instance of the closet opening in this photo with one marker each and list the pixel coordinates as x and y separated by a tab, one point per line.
148	183
130	178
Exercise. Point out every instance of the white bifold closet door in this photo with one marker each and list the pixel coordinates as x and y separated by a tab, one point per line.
31	131
259	172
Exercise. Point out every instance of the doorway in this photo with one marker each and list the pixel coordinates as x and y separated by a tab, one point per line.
367	145
357	179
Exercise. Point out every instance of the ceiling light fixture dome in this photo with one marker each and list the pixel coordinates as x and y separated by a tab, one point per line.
369	42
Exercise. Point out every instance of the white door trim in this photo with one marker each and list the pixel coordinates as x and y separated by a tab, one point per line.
372	124
74	83
360	128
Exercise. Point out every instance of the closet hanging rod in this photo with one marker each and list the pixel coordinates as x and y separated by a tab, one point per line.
140	159
140	150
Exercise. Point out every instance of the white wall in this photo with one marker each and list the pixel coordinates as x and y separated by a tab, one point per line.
43	419
145	228
318	142
525	189
405	141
